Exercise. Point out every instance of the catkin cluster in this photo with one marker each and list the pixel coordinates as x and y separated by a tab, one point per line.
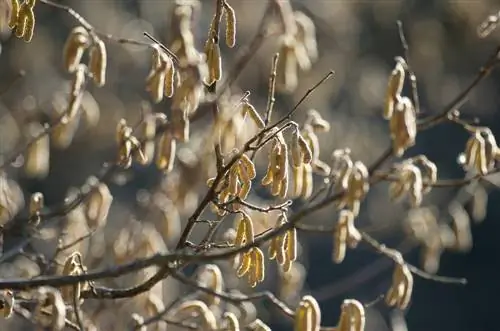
277	170
399	294
212	48
22	19
162	75
78	41
414	177
352	316
399	111
357	185
283	248
307	315
298	49
251	262
305	152
129	146
230	127
481	151
236	184
345	235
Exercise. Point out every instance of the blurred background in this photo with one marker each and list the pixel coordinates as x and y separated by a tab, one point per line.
359	41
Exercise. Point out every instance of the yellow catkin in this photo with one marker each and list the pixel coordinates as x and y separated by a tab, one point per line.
166	152
76	43
230	16
14	15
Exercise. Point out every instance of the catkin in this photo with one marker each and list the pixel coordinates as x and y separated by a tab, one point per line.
394	88
230	16
14	15
98	60
76	44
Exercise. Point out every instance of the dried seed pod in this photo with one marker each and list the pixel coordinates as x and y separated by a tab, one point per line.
50	301
14	14
231	321
98	60
35	207
230	16
394	87
403	126
98	203
7	302
76	44
166	152
37	155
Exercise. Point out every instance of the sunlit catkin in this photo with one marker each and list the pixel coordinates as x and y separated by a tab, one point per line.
230	16
352	316
98	60
399	294
196	307
26	20
214	61
165	153
249	109
394	88
76	44
98	203
231	321
14	15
